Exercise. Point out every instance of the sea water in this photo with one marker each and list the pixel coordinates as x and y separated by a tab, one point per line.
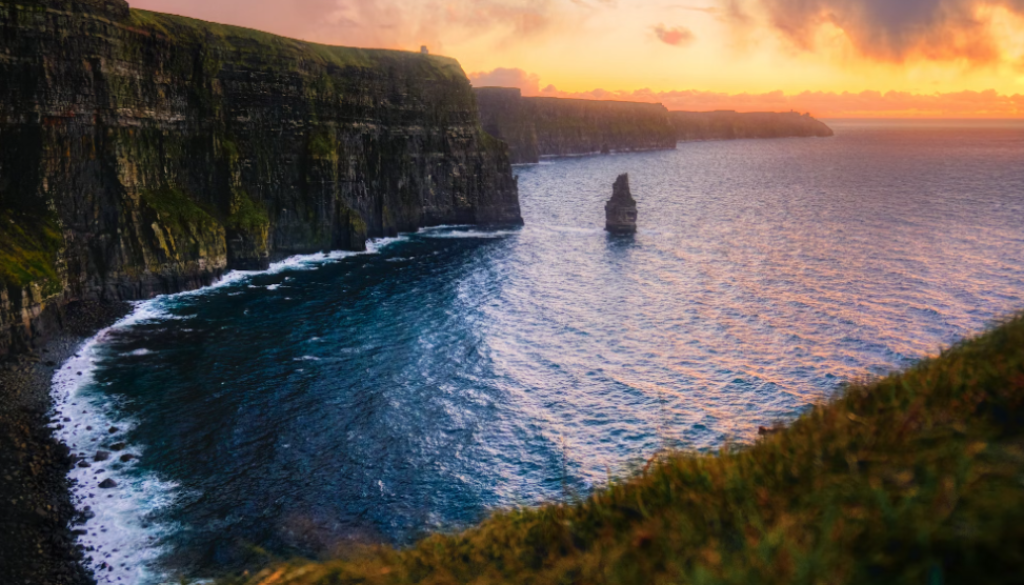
351	398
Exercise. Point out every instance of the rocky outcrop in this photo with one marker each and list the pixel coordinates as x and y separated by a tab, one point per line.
143	153
620	211
538	126
731	125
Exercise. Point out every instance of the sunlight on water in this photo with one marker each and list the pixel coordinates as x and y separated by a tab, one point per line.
374	397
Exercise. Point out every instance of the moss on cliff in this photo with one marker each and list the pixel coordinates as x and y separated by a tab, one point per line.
29	246
247	215
915	478
178	211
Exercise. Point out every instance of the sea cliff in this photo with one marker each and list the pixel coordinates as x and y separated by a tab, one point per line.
731	125
535	127
539	126
143	153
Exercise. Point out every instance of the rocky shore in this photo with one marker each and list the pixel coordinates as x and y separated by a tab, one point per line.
37	518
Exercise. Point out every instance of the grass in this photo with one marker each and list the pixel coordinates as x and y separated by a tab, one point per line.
915	478
223	36
29	245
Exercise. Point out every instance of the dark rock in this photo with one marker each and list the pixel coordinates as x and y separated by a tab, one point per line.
112	430
620	211
127	457
102	456
84	464
118	447
107	484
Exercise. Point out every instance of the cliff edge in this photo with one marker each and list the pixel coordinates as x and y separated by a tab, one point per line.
732	125
144	153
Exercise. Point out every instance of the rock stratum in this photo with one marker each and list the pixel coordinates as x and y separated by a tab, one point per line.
731	125
144	153
540	126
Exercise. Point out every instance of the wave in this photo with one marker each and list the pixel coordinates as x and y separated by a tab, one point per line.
469	234
122	539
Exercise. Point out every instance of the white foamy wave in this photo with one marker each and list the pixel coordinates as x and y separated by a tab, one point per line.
470	234
121	544
121	539
307	358
139	352
273	286
443	227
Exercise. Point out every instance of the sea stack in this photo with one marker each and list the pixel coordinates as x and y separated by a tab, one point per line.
620	211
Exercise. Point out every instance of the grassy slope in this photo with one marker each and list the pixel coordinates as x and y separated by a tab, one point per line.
916	478
290	50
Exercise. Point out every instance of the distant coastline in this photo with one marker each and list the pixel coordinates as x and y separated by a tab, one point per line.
539	127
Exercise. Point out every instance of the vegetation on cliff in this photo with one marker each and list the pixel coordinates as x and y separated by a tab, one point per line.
915	478
29	246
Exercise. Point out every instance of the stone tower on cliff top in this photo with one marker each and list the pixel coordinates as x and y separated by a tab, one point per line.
620	211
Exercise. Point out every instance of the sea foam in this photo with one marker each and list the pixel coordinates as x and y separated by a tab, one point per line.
123	541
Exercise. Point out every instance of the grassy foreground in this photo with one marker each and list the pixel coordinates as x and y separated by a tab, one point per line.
916	478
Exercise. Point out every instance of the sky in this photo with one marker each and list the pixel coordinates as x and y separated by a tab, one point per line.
833	58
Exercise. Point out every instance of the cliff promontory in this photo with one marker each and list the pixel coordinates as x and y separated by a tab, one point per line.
540	126
731	125
143	153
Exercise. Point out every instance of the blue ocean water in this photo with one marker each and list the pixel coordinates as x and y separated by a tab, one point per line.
375	397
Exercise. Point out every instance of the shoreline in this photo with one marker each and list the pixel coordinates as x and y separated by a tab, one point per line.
37	526
39	523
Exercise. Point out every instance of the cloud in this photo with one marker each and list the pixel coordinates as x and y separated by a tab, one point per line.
377	23
677	37
891	30
502	77
866	104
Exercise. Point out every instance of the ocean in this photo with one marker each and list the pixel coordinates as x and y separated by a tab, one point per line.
348	398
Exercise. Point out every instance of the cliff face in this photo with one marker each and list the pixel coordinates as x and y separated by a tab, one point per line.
143	153
535	126
730	125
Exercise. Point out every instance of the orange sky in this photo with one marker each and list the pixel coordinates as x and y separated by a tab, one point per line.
834	58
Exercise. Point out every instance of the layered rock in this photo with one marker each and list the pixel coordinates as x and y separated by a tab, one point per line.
143	153
538	126
620	211
732	125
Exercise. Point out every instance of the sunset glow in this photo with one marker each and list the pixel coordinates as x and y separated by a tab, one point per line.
835	58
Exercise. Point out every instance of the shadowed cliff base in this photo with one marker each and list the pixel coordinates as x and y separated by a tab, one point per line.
914	478
36	538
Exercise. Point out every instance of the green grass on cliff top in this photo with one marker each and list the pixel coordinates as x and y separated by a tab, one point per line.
916	478
246	39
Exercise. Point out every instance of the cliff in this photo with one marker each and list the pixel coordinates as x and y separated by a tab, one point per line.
537	126
143	153
730	125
